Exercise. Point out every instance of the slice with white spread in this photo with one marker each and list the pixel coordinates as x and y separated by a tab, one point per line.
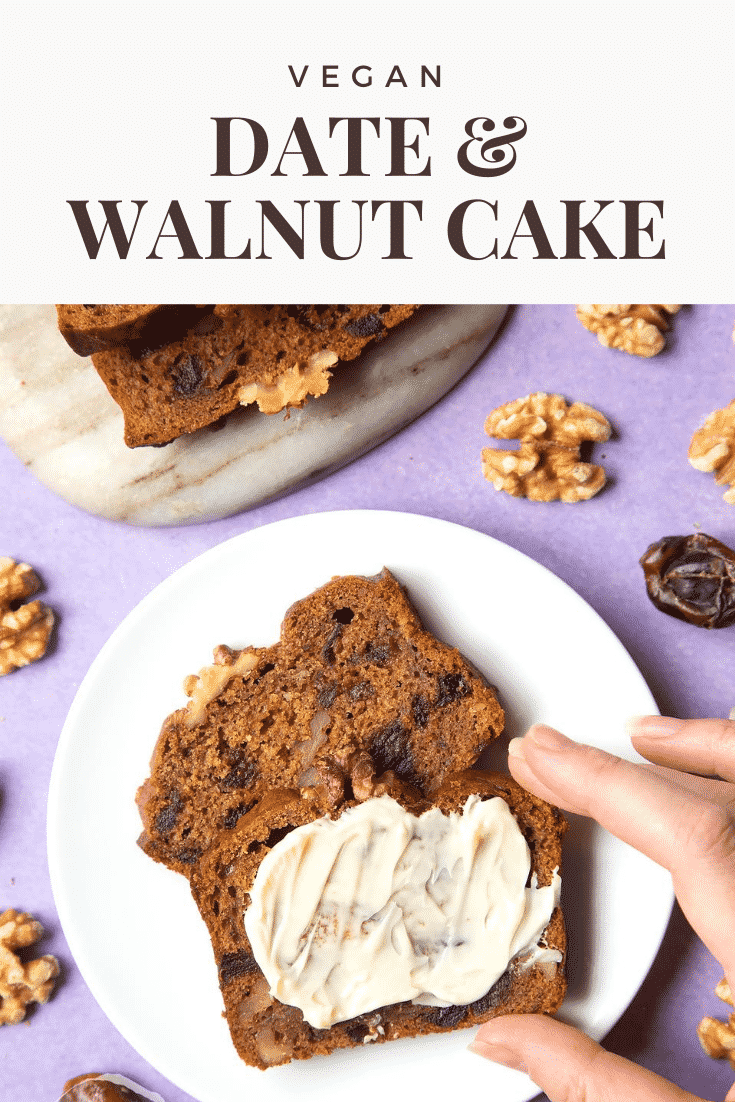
381	906
401	915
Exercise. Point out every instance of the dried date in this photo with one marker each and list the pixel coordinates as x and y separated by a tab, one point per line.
692	578
94	1087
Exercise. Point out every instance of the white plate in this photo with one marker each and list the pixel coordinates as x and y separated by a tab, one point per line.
132	925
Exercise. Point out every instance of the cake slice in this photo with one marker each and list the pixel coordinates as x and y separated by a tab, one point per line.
266	843
94	327
354	688
275	356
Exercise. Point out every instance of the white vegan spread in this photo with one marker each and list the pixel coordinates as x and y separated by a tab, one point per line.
381	906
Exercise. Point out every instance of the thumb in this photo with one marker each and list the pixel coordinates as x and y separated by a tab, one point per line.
567	1065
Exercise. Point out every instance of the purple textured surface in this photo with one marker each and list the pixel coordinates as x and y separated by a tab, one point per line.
96	571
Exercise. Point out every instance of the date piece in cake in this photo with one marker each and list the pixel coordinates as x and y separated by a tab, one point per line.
275	356
354	689
267	1032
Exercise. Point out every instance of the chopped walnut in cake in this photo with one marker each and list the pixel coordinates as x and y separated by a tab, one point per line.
638	330
713	449
24	628
362	774
22	983
204	687
331	778
293	387
547	466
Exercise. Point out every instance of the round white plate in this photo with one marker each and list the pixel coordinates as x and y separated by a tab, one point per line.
132	925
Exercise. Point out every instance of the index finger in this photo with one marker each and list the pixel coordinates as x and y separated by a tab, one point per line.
704	746
694	838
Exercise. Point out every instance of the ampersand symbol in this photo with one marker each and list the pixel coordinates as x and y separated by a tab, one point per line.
503	152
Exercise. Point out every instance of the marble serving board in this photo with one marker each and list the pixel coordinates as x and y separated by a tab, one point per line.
58	418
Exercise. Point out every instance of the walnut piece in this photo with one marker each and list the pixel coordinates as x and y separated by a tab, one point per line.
293	387
365	785
547	466
257	999
713	448
722	991
21	984
272	1049
330	777
204	687
18	580
24	628
362	774
718	1038
638	330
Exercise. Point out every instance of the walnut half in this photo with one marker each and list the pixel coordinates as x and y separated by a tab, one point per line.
635	329
547	466
24	628
718	1038
713	449
21	984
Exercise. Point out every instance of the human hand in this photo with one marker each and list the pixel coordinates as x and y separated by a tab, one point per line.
678	816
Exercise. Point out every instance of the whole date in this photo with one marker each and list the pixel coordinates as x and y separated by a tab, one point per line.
692	578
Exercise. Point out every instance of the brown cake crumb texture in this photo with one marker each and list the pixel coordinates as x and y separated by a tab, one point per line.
266	1032
188	366
354	695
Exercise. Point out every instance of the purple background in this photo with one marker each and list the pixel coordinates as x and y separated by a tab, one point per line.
96	571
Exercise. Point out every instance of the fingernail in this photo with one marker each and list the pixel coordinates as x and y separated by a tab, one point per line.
499	1054
548	739
515	748
653	726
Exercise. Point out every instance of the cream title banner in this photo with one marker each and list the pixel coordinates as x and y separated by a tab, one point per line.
475	153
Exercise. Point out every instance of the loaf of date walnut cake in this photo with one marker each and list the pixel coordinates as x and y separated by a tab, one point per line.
354	688
390	916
